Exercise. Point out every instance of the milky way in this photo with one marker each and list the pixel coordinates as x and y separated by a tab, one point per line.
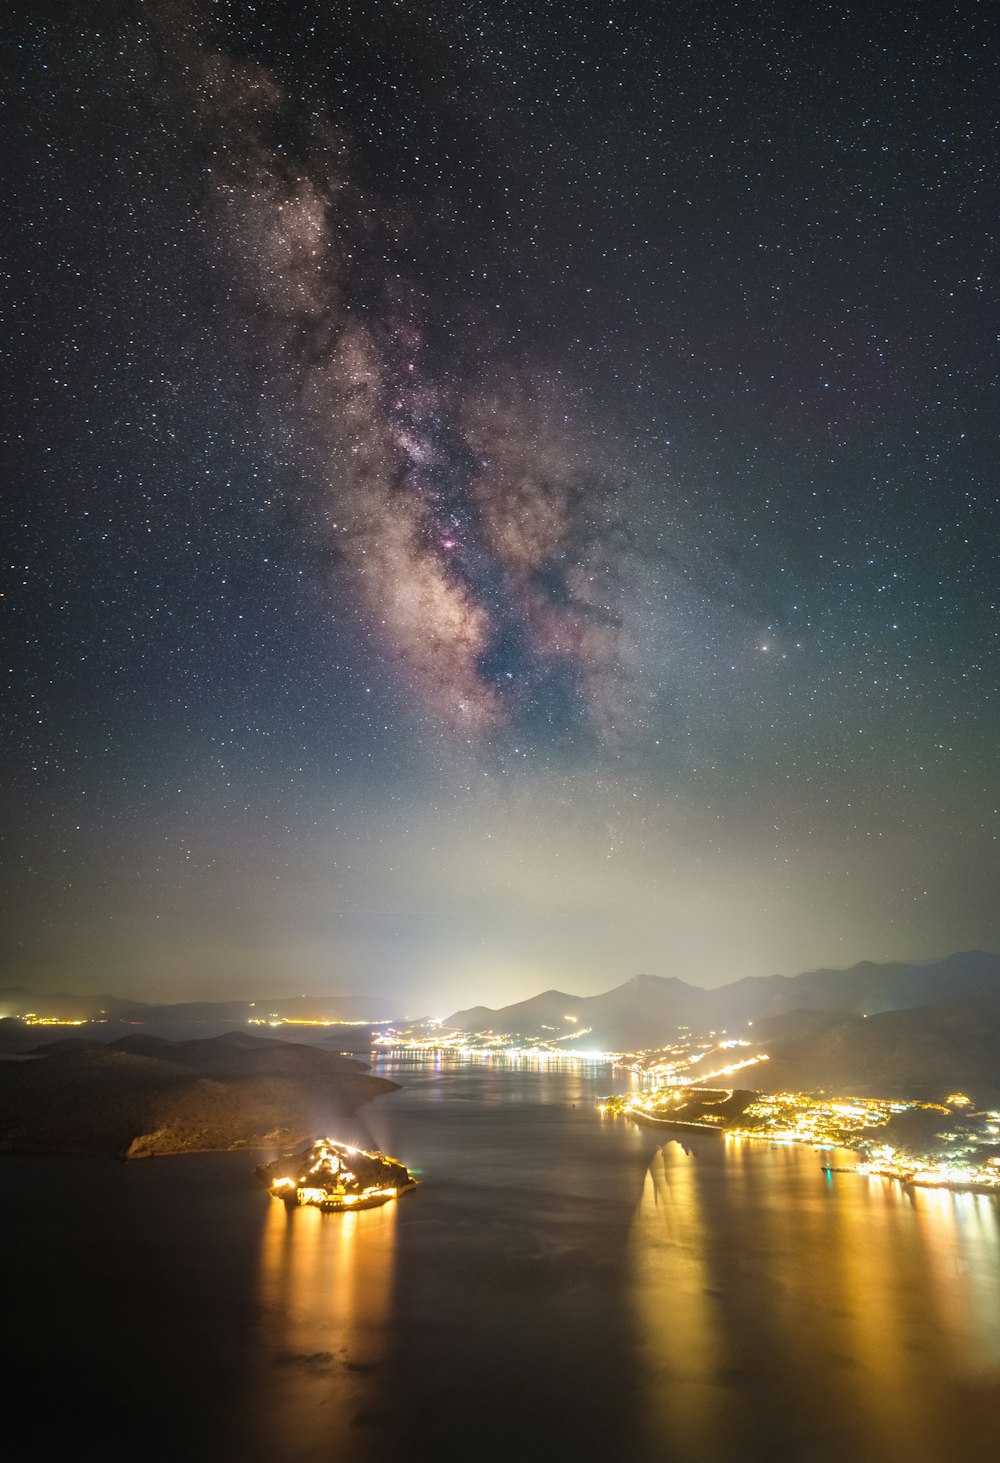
499	495
473	517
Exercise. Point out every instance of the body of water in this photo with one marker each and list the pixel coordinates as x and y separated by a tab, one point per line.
558	1287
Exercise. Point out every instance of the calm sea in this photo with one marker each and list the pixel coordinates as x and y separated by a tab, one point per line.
558	1288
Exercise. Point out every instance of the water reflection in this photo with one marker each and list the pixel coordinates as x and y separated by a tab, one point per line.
325	1285
492	1078
959	1237
784	1314
682	1338
541	1296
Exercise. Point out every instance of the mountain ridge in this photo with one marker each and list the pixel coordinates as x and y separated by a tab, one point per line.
647	1010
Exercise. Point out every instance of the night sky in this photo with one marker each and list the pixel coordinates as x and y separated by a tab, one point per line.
497	495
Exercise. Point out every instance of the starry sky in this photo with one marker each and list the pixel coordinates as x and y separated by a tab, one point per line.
498	495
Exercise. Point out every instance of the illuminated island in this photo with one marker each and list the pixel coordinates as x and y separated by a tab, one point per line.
336	1177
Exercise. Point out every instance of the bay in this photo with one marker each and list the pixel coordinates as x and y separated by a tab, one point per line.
560	1286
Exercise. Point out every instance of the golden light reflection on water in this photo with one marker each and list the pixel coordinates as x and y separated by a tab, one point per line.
682	1339
325	1285
779	1308
957	1230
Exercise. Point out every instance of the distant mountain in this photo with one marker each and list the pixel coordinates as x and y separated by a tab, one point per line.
283	1008
926	1051
538	1014
140	1095
643	1012
863	989
643	1005
648	1010
193	1017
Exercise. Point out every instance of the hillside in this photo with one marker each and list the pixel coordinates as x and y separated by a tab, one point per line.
926	1052
142	1096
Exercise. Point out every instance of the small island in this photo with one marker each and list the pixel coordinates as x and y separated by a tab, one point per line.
336	1177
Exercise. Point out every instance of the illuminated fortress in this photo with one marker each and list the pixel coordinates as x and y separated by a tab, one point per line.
336	1176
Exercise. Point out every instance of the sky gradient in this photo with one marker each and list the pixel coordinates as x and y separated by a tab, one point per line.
497	499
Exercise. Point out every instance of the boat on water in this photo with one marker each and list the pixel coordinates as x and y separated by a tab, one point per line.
336	1177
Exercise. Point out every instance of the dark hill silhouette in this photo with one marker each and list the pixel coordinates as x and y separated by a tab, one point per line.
62	1044
238	1054
142	1095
